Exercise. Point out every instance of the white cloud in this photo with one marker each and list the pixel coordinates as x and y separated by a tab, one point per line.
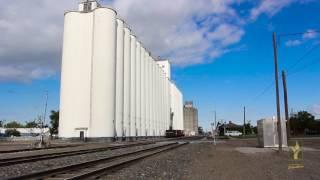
184	31
226	34
269	7
316	109
310	34
31	38
291	43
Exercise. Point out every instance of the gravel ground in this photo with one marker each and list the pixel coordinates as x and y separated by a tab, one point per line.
224	162
24	168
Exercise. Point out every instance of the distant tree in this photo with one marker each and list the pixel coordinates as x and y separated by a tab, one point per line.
255	130
200	130
13	124
12	132
32	124
54	121
249	128
1	123
302	122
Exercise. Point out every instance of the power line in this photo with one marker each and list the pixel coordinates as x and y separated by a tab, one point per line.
315	61
303	57
299	33
267	88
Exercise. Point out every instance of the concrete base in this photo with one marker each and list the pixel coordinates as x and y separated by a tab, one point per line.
112	139
96	139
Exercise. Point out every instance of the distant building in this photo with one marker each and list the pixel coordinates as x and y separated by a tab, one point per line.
26	132
190	116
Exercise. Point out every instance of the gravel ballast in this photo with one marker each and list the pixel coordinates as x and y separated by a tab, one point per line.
25	168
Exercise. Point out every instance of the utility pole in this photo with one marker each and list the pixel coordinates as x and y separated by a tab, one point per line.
275	52
244	120
44	119
285	95
215	119
214	128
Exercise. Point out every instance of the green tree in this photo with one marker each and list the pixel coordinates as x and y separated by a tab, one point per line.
255	130
200	130
13	124
54	121
12	132
32	124
302	121
249	128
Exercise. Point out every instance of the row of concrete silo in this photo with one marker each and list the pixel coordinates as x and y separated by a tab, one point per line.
111	86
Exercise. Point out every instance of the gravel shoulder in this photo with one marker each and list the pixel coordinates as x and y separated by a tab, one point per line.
203	160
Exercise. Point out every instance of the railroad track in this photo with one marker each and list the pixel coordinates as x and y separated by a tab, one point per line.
99	167
33	158
36	149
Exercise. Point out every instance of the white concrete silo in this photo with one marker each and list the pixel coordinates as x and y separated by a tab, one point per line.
149	103
138	89
147	94
168	102
126	82
177	107
133	87
163	119
146	99
153	113
119	120
142	103
103	73
152	98
75	112
88	74
157	101
162	101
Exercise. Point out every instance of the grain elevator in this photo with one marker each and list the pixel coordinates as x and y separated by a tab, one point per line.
111	85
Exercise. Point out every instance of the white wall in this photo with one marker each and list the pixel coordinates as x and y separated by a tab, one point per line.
177	107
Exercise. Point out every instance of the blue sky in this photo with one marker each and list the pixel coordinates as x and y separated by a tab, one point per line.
221	53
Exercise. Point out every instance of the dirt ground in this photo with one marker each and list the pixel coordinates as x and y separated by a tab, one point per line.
229	159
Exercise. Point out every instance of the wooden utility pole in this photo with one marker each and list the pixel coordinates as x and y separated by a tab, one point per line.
275	52
244	120
215	119
285	95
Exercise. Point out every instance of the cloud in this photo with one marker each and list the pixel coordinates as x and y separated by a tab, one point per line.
310	34
31	38
187	33
291	43
269	7
316	109
226	34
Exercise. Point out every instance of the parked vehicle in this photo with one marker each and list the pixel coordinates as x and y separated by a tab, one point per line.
233	133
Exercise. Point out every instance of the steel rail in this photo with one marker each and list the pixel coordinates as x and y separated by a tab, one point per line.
33	158
93	167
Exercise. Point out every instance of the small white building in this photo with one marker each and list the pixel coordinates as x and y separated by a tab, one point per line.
268	133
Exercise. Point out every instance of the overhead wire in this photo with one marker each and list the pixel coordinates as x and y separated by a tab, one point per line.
269	86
